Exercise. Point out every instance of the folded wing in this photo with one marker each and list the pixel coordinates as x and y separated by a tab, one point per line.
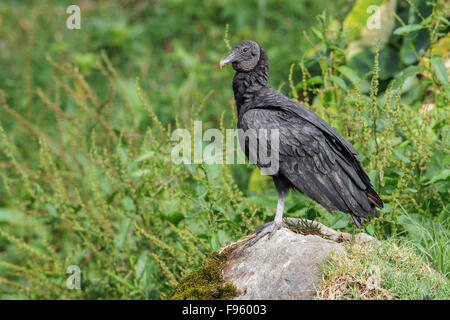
317	160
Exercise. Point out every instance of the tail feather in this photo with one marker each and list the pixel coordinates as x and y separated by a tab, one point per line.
356	220
374	198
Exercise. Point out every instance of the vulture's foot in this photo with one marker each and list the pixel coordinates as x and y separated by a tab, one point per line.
268	229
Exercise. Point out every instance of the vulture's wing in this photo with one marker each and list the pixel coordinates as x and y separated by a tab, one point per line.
317	160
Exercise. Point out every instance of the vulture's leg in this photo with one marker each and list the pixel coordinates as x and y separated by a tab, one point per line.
271	227
282	186
280	207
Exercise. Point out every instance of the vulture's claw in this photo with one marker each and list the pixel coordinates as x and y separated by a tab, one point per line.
269	229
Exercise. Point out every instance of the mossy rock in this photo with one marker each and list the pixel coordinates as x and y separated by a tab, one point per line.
205	283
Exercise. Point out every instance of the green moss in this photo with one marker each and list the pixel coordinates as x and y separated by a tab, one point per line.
205	283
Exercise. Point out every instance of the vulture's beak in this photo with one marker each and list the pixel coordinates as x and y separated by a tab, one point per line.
229	59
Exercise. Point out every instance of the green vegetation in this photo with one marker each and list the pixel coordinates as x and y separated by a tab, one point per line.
380	271
205	283
86	176
305	227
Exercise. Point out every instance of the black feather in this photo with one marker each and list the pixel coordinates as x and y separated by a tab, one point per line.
314	158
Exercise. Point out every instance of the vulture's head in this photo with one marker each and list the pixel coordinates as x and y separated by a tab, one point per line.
244	57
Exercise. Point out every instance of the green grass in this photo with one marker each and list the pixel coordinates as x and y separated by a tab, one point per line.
390	270
430	238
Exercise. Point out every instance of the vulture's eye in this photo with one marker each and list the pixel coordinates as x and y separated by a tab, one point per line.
245	49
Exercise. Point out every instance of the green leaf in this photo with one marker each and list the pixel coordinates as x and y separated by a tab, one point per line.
340	221
442	176
310	82
389	63
51	209
215	244
119	279
408	29
11	216
128	204
317	33
400	156
175	218
223	238
370	229
140	270
140	173
349	74
124	230
339	82
439	69
145	156
414	46
374	178
296	207
401	77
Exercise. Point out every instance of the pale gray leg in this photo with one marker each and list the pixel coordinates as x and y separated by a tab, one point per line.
280	207
271	228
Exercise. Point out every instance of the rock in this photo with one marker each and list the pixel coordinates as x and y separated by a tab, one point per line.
364	237
284	267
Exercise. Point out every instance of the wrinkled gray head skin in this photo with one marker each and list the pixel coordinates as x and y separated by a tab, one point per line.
244	57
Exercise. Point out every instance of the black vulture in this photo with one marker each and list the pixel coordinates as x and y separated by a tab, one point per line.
313	158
